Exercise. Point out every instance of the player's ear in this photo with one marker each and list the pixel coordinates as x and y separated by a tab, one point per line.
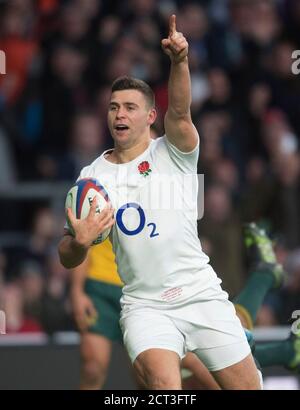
152	116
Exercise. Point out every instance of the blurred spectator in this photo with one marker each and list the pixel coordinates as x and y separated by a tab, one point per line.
86	142
137	9
16	319
109	30
3	267
20	47
265	24
74	21
286	201
228	116
122	62
256	21
257	194
220	227
147	32
33	304
89	8
199	82
31	283
63	93
278	136
225	173
258	101
102	99
8	171
285	85
56	309
193	22
291	11
43	234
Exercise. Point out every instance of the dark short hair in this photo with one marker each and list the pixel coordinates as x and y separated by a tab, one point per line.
130	83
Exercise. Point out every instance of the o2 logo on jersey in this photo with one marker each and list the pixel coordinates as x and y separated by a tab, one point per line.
141	226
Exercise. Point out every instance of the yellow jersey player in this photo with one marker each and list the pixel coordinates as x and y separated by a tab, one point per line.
96	289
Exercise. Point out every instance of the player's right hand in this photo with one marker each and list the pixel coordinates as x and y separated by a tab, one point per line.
87	230
176	45
84	310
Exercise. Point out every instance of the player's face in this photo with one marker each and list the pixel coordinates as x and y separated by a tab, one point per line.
129	117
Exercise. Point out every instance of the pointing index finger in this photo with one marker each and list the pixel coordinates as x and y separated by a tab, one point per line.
172	24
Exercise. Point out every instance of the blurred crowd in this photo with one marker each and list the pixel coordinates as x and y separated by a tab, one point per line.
61	57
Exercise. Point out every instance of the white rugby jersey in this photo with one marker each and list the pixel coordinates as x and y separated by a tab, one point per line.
158	252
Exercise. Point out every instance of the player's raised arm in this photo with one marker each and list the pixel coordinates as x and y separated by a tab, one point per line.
178	123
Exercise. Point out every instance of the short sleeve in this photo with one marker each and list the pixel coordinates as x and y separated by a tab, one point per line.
83	174
185	161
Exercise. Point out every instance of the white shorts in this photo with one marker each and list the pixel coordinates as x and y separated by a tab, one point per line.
209	328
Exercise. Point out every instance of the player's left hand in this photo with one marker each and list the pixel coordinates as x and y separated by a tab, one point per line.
176	45
85	313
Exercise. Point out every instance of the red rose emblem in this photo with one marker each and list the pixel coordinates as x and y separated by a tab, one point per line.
144	168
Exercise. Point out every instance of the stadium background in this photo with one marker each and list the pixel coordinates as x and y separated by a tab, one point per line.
61	57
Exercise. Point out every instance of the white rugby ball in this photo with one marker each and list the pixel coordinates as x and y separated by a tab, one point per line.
79	199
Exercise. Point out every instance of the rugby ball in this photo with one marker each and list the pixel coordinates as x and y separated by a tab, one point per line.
79	199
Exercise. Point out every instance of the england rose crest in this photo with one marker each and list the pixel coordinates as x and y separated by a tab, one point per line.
144	168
